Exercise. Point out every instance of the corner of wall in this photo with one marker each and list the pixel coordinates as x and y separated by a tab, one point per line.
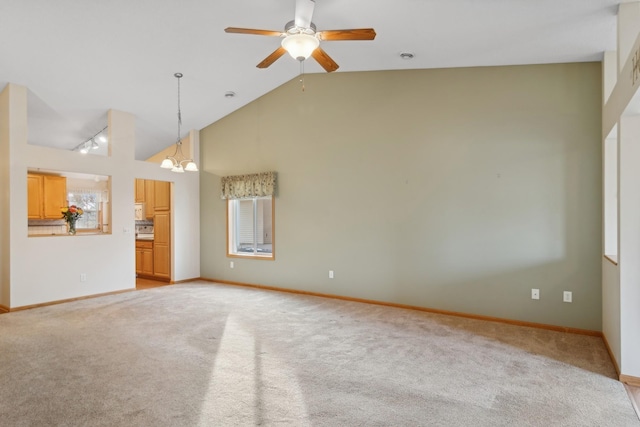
5	293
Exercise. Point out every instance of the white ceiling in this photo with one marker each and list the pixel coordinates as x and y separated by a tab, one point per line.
80	58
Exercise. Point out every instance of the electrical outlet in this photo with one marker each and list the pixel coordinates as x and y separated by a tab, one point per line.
230	264
83	277
567	296
330	274
535	293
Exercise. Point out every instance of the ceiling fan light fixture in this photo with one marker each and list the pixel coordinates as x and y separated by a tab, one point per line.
300	46
302	40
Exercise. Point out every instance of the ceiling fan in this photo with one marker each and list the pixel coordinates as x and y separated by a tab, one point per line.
301	39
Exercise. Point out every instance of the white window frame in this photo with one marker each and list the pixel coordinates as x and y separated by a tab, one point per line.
258	250
81	223
611	217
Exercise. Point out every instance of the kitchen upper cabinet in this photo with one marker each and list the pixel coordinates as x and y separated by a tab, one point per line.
140	195
149	196
162	194
46	195
34	196
154	194
54	195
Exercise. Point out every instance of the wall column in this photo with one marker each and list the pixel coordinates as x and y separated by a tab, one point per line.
5	136
629	243
13	139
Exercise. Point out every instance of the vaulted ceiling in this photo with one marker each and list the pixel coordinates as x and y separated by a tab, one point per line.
81	58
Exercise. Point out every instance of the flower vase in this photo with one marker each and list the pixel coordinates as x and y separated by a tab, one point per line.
72	226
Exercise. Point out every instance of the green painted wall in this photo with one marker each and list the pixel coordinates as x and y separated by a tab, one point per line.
455	189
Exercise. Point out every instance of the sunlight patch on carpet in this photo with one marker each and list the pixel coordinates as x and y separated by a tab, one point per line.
249	383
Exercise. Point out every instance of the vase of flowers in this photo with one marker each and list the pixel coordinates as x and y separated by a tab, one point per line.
71	214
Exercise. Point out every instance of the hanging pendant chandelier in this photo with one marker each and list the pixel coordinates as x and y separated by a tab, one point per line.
178	162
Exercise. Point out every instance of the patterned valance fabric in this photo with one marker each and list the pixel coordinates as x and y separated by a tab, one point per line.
243	186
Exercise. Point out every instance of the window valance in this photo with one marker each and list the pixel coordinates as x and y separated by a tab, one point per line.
243	186
100	195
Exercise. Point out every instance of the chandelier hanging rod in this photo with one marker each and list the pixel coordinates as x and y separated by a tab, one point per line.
178	162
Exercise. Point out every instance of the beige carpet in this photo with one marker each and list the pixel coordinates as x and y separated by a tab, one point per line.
213	355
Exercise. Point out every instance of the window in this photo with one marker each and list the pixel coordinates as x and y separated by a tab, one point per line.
89	201
611	196
250	227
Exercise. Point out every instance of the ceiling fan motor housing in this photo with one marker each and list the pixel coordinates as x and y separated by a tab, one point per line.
291	28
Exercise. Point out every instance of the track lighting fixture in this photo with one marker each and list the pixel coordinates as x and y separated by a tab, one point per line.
91	143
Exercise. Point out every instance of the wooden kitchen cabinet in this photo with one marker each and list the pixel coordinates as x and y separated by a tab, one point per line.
54	196
149	196
139	193
138	260
146	193
144	258
162	195
162	245
46	196
34	196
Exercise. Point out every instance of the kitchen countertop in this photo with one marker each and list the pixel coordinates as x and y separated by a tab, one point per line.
83	233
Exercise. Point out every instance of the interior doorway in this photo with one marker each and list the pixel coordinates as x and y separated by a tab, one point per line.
153	209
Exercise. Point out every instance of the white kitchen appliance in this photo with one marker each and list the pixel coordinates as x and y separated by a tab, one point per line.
140	212
144	232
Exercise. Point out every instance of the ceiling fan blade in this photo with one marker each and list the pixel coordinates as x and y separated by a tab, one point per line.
272	58
355	34
253	31
304	13
324	60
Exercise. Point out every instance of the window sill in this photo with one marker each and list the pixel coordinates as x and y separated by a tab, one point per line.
269	257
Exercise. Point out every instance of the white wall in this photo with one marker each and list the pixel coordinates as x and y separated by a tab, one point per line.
45	269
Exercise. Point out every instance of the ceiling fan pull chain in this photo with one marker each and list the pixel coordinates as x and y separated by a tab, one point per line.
302	74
